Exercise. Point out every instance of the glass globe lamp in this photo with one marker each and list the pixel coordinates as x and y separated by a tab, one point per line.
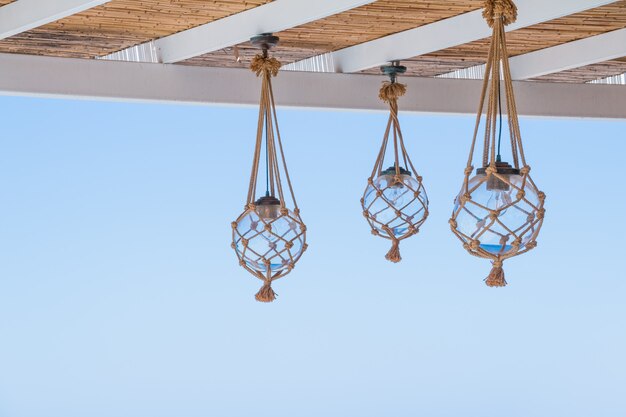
395	205
268	237
500	214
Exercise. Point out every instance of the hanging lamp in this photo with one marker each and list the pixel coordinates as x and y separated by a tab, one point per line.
394	202
499	210
268	237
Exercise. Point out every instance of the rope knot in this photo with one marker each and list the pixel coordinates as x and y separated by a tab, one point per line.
490	170
266	294
469	170
525	170
541	213
453	223
394	253
500	9
496	276
391	91
265	65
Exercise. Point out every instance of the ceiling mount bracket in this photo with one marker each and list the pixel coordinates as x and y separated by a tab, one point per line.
393	69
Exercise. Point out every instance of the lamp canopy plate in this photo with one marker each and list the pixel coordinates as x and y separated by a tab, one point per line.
264	40
267	200
502	168
393	69
392	171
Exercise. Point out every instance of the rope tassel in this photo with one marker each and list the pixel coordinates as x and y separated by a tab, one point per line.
505	9
394	253
391	91
261	64
496	276
266	294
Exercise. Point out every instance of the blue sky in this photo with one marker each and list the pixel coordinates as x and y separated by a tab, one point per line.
120	294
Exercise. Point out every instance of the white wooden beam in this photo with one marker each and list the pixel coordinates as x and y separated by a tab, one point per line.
273	17
450	32
162	83
575	54
570	55
23	15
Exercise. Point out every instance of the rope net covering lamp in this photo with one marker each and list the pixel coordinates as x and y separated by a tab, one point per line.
394	203
268	237
499	210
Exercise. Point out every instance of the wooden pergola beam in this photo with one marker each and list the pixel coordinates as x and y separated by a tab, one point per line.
232	30
23	15
570	55
448	33
27	75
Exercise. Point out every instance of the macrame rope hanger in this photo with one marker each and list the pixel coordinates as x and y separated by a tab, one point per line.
272	206
498	14
410	215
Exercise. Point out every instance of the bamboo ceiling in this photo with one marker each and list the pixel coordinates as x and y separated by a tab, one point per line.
567	29
359	25
120	24
588	73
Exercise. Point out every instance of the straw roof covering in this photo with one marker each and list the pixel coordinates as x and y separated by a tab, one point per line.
353	27
120	24
588	73
544	35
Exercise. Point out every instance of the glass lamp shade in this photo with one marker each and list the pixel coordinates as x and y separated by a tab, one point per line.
269	237
503	215
393	207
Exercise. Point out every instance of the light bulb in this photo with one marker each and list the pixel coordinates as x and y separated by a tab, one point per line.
396	193
498	200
